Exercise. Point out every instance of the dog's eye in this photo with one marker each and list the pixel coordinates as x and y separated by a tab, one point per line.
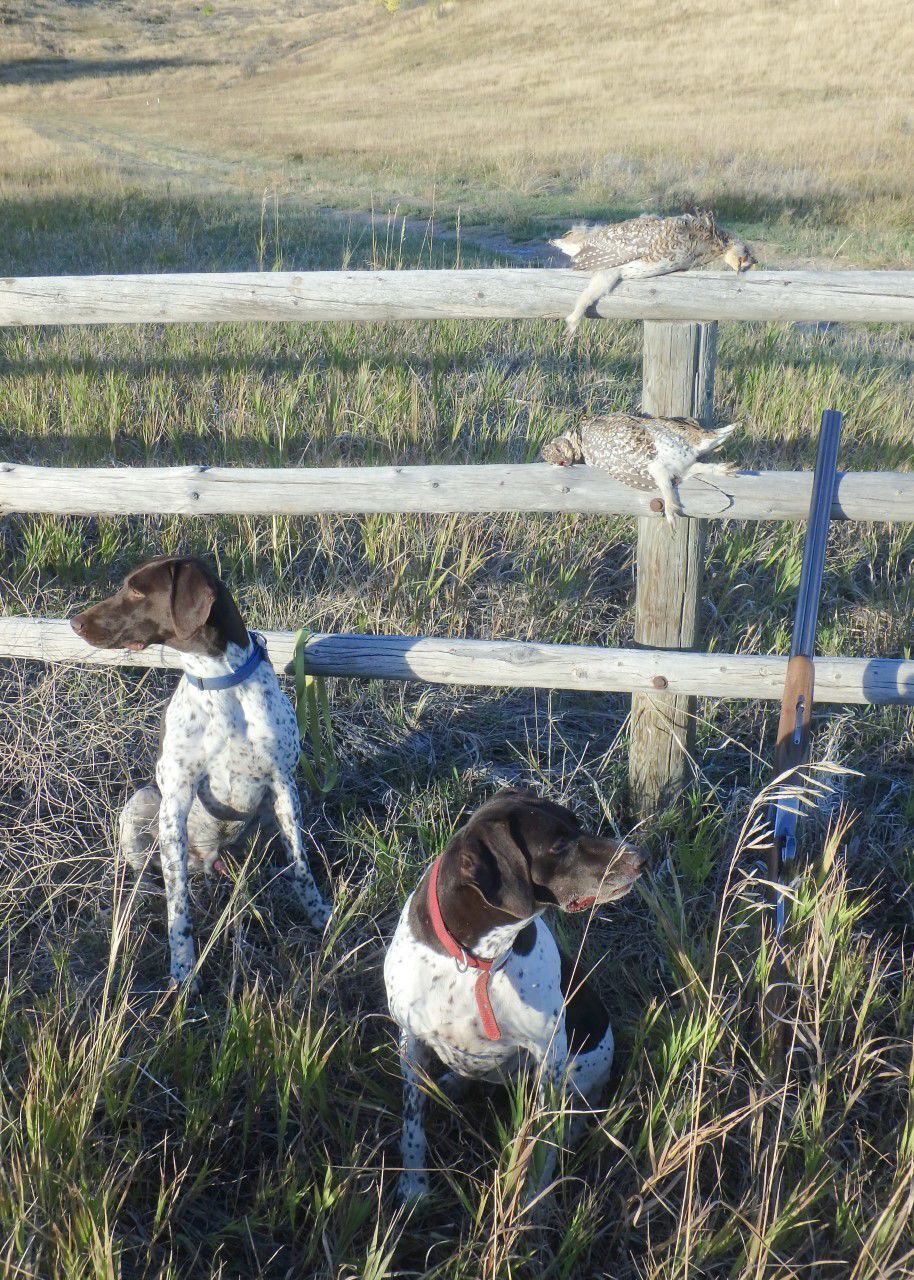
559	848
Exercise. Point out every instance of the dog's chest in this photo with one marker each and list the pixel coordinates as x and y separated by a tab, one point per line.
236	739
435	999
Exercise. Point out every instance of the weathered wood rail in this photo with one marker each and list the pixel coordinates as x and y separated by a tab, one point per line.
680	314
512	663
530	487
507	294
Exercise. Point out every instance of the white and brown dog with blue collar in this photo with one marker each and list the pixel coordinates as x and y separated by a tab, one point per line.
474	975
229	740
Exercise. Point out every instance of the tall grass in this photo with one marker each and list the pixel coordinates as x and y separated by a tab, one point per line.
254	1132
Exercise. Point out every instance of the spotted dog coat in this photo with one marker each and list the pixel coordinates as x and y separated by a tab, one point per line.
517	855
225	752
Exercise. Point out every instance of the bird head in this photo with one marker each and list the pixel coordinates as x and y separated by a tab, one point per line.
564	450
738	255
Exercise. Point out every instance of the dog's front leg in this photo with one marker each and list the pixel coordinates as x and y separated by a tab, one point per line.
173	810
414	1057
550	1086
287	807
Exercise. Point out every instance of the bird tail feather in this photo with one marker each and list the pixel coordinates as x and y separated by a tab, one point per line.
721	433
716	436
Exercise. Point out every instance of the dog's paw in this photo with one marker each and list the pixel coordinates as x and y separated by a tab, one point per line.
184	982
413	1186
454	1086
319	914
140	886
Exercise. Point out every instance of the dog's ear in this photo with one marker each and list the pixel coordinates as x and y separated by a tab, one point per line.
192	597
151	578
494	864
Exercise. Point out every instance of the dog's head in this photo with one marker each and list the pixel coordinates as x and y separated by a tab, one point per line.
521	853
173	600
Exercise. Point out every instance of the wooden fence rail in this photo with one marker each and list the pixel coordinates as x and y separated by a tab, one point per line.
678	376
520	664
506	294
291	491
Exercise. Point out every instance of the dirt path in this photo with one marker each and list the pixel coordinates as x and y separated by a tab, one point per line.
146	158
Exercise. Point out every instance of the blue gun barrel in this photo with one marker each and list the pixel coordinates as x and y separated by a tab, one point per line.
823	491
796	707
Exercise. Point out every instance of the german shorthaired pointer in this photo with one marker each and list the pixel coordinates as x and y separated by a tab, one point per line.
474	974
229	737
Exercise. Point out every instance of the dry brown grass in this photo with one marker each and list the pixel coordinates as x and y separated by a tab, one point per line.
499	107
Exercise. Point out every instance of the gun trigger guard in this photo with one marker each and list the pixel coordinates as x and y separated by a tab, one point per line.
789	850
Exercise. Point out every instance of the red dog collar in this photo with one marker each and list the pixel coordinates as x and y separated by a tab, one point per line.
465	959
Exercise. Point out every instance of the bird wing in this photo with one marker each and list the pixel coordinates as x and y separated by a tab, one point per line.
621	444
686	425
670	244
681	432
618	244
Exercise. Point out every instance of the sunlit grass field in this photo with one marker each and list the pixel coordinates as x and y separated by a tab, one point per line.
795	118
255	1132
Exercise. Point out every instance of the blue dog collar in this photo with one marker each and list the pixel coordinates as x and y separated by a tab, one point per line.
247	668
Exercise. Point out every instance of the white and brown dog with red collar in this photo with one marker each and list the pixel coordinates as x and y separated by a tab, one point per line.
474	974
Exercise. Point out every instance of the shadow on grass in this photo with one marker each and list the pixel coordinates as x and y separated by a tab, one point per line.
55	70
301	447
128	230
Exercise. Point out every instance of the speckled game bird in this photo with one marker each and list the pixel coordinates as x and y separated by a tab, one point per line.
647	246
643	452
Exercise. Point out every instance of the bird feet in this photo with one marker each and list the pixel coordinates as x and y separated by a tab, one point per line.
671	512
715	469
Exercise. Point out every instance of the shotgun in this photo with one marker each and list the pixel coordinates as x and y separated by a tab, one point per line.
792	747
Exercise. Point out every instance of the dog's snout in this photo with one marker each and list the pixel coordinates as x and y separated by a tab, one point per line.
78	623
630	858
633	854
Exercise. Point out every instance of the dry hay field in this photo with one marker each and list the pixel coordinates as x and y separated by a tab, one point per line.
254	1131
795	118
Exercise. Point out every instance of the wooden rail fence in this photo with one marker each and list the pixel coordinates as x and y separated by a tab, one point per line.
507	294
680	315
524	487
515	663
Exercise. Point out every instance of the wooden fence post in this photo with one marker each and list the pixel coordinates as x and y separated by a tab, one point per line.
678	379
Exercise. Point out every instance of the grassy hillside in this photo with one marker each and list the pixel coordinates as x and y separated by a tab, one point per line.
793	119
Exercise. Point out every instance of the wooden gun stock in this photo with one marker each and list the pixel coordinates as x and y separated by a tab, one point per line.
793	737
796	714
